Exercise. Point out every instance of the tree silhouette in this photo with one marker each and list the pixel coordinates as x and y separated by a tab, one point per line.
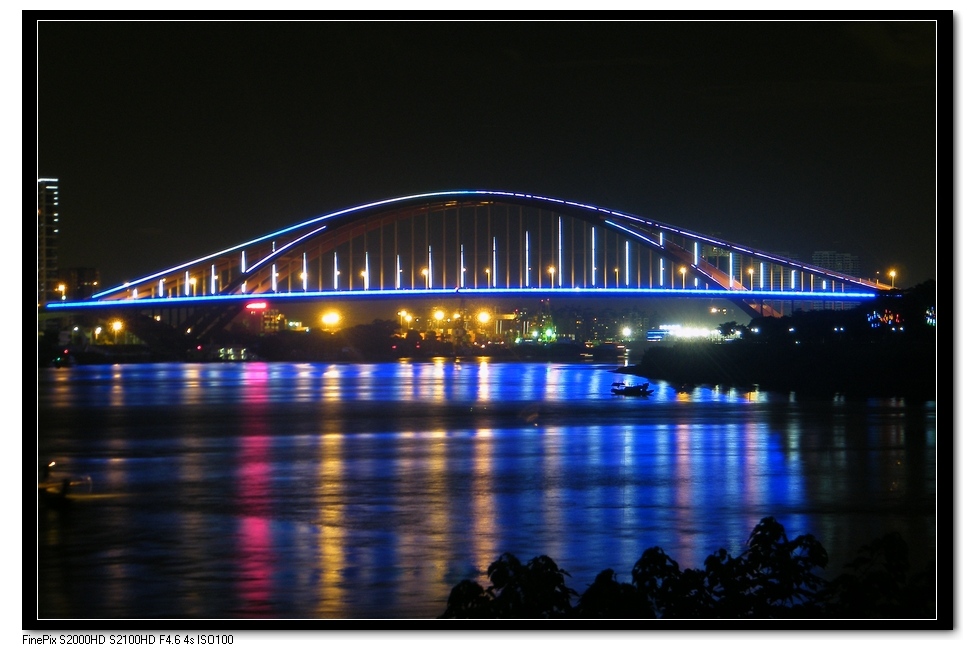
774	577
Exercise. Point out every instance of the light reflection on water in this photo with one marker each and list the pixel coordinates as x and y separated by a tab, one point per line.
369	490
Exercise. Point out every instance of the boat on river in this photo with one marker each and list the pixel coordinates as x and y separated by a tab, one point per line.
55	487
621	388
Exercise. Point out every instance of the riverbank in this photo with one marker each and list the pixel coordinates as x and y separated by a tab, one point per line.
875	369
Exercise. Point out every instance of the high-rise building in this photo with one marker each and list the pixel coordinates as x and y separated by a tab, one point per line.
47	240
80	282
841	262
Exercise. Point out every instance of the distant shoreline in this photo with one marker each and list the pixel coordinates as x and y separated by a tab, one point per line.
872	370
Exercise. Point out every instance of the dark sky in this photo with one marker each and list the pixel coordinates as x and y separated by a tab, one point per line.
175	139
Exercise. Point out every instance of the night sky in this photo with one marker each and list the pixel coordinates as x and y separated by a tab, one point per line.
176	139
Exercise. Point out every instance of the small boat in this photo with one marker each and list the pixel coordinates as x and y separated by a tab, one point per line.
55	487
620	388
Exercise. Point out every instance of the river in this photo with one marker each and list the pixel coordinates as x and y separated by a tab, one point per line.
367	491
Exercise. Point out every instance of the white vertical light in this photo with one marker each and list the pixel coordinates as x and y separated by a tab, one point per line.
494	261
661	270
463	268
243	262
365	278
627	272
696	256
560	251
429	267
186	284
335	271
162	289
793	279
399	272
213	279
761	275
592	244
528	273
304	271
274	278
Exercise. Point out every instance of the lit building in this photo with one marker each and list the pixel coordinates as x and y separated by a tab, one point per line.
272	321
47	241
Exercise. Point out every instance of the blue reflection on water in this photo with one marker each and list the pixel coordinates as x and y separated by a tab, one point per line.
327	490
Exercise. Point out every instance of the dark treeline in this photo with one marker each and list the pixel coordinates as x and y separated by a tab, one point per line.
773	578
886	348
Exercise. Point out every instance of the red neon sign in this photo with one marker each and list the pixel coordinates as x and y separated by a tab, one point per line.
256	305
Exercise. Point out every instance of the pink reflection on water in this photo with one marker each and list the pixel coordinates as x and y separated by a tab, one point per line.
256	560
256	557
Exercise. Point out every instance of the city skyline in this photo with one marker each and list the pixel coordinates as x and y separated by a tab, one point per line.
695	124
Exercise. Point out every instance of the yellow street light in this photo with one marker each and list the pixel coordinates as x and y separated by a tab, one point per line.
551	272
751	278
331	319
892	274
438	316
425	274
488	273
683	277
484	317
617	271
116	327
61	288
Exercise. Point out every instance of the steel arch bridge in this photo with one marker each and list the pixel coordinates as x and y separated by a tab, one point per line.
483	242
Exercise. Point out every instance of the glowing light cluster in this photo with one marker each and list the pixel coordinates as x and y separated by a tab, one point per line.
888	318
683	332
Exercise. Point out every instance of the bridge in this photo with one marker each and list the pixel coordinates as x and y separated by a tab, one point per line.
477	242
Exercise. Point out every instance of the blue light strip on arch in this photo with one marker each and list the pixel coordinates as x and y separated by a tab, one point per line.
602	212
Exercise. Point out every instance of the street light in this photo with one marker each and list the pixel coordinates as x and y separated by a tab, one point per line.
892	274
331	319
193	284
483	318
751	279
61	288
365	280
438	316
488	273
425	274
683	277
617	271
551	272
116	327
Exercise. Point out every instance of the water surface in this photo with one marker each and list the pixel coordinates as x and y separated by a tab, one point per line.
288	490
